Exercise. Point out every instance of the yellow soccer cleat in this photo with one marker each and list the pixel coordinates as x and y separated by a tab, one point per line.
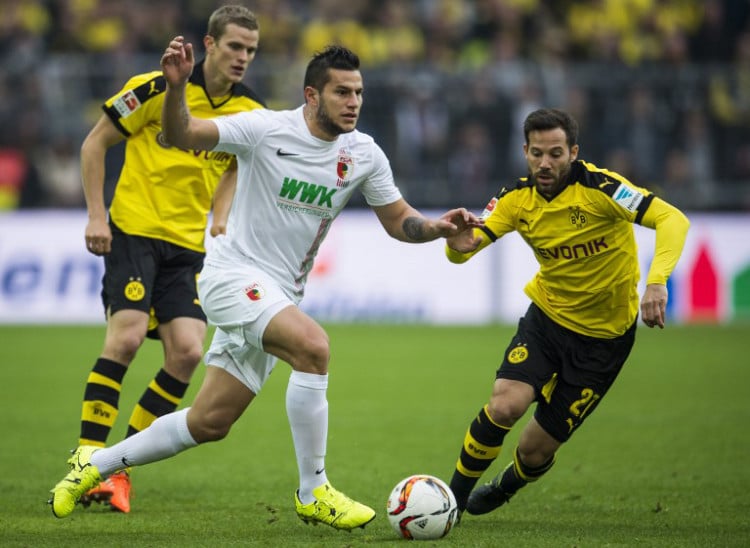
334	508
82	477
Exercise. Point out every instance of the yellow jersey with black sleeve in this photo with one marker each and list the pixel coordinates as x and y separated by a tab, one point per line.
584	242
165	192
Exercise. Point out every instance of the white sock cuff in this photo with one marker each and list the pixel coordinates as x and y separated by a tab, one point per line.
309	380
182	428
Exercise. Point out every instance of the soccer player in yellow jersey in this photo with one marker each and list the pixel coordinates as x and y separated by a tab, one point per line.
152	239
580	326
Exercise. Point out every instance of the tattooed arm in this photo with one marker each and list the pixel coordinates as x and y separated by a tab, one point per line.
406	224
180	129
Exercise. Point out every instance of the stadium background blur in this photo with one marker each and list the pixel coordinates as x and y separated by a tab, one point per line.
661	87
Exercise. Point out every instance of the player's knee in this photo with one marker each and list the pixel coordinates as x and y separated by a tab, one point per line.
187	357
182	364
313	356
506	411
124	345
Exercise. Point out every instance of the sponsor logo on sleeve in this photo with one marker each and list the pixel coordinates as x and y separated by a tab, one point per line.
627	198
489	208
126	104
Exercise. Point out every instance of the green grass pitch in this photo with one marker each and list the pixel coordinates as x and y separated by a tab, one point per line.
662	462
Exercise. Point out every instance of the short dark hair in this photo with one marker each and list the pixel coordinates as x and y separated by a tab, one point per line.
230	14
332	57
551	118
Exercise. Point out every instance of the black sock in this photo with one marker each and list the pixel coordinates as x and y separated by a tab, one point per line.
101	399
482	445
162	396
517	474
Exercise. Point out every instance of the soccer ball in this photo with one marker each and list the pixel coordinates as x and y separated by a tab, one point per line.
422	507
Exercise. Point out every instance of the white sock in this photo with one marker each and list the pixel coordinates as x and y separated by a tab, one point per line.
165	437
307	409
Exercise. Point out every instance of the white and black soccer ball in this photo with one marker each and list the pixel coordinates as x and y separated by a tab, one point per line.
422	507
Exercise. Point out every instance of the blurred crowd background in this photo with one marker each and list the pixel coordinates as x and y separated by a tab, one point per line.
661	88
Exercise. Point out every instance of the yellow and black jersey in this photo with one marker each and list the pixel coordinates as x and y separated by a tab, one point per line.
165	192
584	242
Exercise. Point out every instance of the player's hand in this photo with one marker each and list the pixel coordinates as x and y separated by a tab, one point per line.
456	221
177	61
98	237
464	242
654	305
218	228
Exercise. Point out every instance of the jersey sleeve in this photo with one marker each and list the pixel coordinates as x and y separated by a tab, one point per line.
671	227
640	206
138	103
627	201
238	132
379	188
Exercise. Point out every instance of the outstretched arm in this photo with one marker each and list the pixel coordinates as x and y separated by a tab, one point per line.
402	222
179	127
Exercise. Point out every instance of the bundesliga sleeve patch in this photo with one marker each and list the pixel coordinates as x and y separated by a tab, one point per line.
488	209
126	104
628	198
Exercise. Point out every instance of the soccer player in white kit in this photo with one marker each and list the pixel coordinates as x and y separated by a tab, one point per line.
296	171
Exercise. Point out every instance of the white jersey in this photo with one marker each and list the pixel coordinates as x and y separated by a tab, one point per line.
290	188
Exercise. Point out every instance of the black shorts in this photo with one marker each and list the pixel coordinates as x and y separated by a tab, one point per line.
153	276
570	372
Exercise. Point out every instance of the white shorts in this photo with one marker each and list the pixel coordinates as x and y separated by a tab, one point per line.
240	302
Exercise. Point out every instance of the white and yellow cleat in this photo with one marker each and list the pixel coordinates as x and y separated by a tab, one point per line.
82	476
334	508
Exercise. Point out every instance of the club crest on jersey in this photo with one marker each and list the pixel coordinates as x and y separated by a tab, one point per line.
577	217
519	354
255	292
344	168
126	104
627	197
135	290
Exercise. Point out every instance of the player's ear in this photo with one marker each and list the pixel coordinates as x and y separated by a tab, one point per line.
208	43
573	153
311	96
